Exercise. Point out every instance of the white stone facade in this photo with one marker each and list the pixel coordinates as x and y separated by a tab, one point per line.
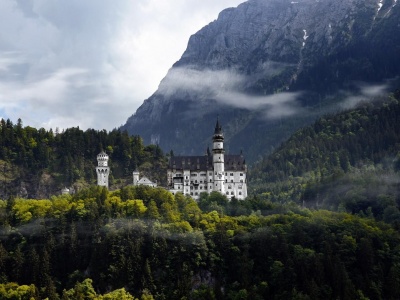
142	181
102	169
192	175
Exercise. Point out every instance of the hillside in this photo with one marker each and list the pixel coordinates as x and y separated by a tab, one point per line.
38	163
270	67
147	243
344	161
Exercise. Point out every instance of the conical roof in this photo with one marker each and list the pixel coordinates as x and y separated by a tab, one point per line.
218	128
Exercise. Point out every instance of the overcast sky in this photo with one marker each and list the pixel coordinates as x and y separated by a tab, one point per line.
91	63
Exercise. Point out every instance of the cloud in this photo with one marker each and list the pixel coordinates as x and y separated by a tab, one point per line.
91	62
366	93
226	87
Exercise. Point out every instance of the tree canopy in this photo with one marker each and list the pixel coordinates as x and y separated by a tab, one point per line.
145	243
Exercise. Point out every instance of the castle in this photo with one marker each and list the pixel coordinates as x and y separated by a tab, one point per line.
216	171
102	169
142	181
192	175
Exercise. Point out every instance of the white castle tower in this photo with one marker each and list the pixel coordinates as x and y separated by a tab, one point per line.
213	172
102	169
218	159
135	177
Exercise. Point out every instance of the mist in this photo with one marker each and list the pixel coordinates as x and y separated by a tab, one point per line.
226	87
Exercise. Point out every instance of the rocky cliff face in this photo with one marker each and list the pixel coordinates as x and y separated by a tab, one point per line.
268	67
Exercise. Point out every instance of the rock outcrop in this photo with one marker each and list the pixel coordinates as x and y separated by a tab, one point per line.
268	67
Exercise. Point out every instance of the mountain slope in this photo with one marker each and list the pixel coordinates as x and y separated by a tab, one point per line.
268	67
37	163
346	161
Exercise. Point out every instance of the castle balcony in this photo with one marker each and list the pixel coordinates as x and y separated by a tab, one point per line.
178	179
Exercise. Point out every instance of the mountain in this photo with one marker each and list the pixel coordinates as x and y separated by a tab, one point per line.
269	67
347	161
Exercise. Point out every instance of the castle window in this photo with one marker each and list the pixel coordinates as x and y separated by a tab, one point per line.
226	180
231	193
241	174
226	174
240	193
227	193
229	186
231	174
231	180
196	194
240	187
241	180
191	193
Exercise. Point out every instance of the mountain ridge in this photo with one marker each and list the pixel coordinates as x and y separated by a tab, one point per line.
261	65
346	161
269	66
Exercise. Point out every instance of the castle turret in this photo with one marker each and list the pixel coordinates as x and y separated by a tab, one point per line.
135	177
102	169
218	159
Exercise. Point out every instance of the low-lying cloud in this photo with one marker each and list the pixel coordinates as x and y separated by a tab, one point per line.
226	87
366	92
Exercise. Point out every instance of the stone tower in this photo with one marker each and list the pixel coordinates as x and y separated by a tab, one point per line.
102	169
218	159
135	177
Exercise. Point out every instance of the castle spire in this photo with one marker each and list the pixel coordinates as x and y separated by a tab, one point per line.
218	159
218	128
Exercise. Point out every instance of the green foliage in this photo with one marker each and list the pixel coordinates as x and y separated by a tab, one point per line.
346	161
18	292
102	245
37	156
84	291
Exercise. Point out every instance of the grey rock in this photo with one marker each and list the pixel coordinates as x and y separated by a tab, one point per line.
266	48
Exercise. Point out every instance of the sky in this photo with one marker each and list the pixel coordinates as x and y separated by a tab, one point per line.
91	63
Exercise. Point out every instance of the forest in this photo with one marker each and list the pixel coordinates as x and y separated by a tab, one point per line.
38	163
348	161
322	220
145	243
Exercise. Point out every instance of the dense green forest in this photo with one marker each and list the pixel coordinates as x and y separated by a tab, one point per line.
348	162
38	163
322	220
146	243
